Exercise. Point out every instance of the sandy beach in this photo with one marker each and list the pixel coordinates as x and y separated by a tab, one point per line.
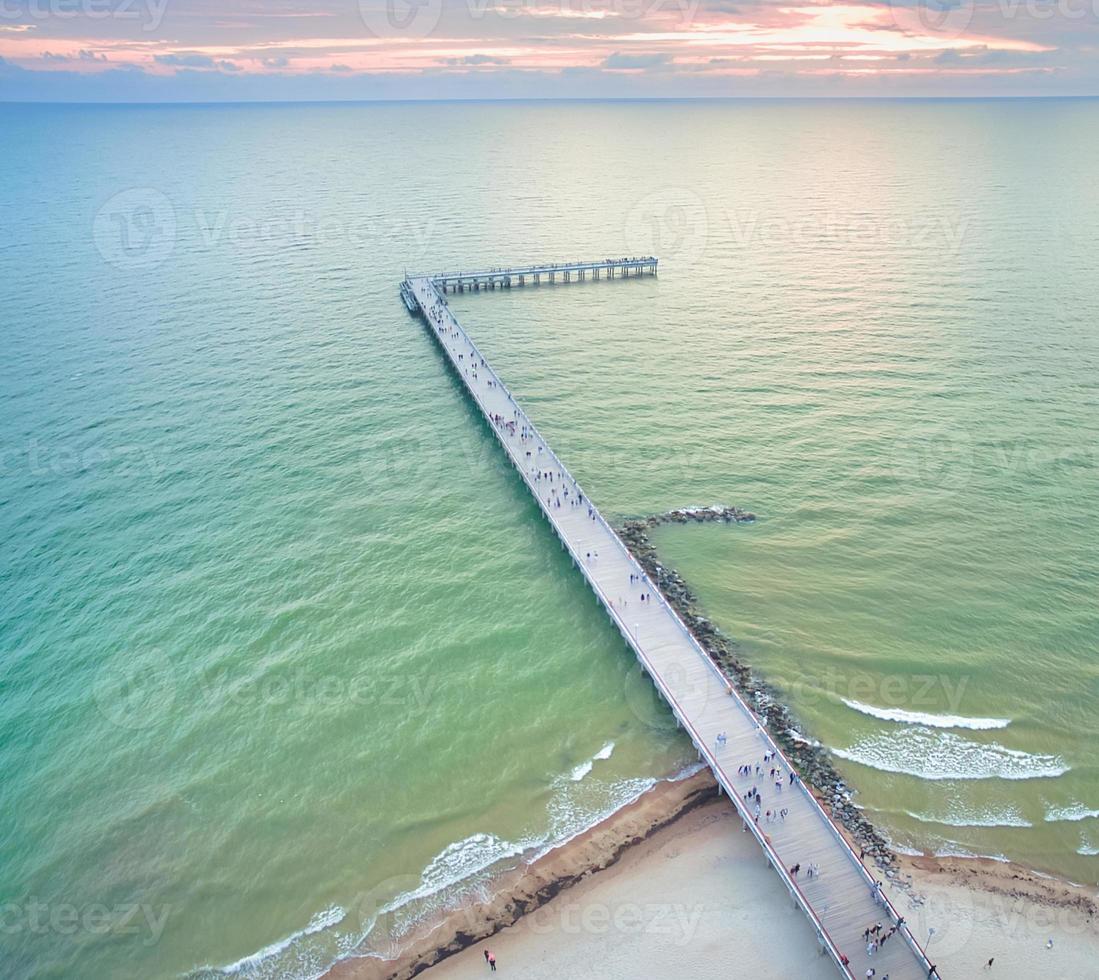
670	886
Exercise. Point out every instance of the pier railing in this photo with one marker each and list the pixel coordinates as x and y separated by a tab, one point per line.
506	277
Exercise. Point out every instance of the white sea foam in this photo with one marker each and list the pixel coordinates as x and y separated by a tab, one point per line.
462	860
250	964
686	772
937	755
580	771
929	720
961	852
801	739
1087	850
1077	811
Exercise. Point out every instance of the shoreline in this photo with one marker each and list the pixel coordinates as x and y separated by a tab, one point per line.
966	901
534	883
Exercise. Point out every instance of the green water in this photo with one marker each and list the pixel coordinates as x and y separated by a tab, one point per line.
282	640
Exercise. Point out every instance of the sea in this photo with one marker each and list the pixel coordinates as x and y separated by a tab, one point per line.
290	663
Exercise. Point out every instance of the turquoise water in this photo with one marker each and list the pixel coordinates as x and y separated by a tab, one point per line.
287	657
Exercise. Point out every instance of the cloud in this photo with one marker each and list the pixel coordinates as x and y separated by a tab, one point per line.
618	60
185	59
474	59
82	55
192	59
278	61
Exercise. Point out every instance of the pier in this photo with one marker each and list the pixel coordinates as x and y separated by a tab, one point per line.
831	885
535	275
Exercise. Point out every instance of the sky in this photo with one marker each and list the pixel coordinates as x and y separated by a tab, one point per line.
243	50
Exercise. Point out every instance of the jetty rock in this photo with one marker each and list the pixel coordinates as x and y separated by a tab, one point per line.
716	512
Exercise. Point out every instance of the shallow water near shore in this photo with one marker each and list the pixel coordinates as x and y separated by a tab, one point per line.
284	647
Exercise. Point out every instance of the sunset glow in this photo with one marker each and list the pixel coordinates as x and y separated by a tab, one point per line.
483	49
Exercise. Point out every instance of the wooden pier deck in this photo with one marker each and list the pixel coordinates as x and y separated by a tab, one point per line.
844	897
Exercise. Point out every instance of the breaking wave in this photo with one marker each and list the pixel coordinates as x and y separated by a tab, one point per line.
1077	811
929	720
258	964
585	767
937	755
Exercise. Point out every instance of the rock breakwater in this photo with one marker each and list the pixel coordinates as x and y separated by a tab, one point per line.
812	762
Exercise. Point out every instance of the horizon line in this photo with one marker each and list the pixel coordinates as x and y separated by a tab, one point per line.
1007	97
